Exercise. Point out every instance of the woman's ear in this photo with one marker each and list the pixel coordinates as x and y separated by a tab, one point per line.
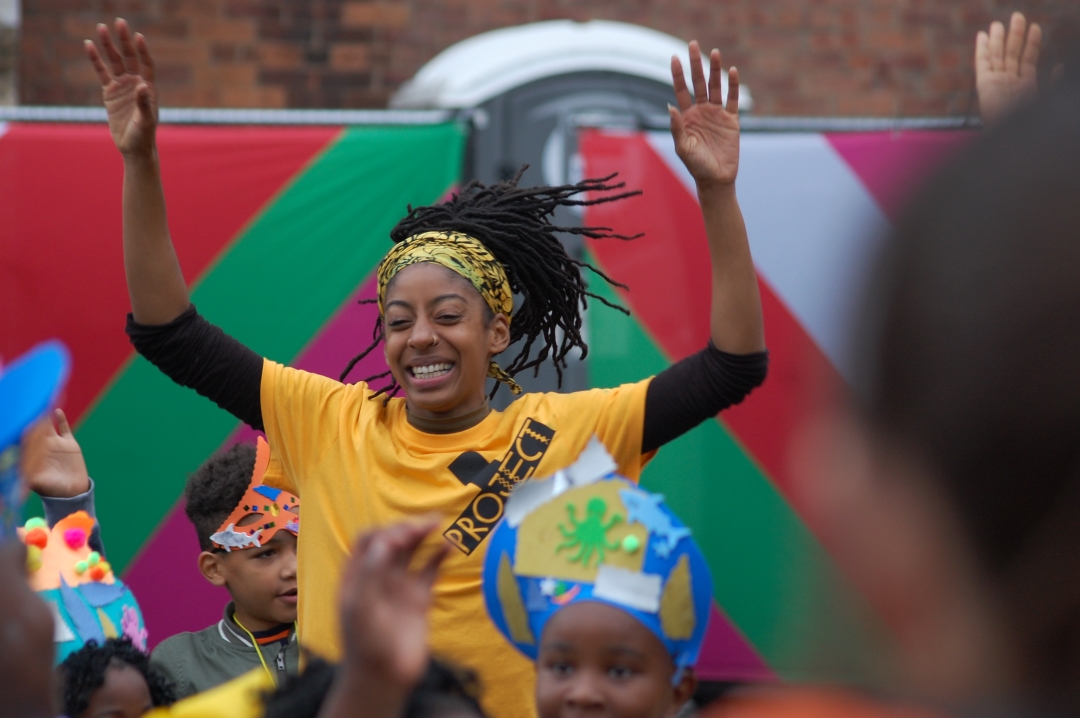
683	690
500	334
210	566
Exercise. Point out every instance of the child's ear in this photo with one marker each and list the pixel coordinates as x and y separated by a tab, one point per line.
211	569
683	690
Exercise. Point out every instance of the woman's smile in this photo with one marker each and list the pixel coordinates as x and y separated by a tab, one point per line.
427	372
428	376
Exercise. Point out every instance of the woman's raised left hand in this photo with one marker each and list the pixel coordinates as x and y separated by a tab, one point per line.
706	132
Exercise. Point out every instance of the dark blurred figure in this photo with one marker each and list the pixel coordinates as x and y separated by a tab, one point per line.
26	641
949	489
444	691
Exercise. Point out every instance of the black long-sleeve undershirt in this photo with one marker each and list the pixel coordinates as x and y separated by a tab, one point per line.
196	354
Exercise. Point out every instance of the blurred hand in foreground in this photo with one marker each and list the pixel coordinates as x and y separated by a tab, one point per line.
384	621
1005	66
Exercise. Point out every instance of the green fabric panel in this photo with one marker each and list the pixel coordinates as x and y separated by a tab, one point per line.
770	575
273	289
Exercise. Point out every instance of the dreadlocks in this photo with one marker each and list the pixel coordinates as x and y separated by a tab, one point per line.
515	225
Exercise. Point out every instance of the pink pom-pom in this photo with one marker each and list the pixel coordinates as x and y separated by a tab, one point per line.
75	538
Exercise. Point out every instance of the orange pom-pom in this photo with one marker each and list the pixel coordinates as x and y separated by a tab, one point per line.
97	573
37	537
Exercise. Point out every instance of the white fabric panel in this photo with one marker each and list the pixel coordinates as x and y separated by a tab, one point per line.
813	227
3	128
628	588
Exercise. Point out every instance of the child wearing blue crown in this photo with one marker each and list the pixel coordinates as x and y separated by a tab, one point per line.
588	575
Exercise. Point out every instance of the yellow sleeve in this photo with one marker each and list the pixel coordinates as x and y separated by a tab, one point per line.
302	419
616	416
621	426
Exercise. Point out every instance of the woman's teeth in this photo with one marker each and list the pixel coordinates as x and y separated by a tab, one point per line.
431	371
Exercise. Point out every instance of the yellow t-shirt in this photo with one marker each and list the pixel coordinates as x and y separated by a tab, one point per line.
357	463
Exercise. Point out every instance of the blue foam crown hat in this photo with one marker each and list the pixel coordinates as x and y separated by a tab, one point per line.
588	534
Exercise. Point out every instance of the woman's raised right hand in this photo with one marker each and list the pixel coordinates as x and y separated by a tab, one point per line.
127	88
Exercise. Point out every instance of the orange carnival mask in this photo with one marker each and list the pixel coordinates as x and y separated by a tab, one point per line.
261	513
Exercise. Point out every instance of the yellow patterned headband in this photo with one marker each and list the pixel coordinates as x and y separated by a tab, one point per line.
465	256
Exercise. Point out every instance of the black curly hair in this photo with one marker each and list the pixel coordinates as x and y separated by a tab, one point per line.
215	489
444	689
514	224
83	673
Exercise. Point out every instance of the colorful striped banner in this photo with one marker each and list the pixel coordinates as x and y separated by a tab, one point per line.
278	230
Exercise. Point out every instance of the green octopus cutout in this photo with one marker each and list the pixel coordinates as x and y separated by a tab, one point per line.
588	536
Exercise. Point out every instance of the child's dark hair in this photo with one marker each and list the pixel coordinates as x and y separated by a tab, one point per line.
515	225
83	672
443	689
216	488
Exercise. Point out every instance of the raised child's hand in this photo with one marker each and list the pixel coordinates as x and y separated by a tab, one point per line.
384	606
1005	66
127	88
706	133
52	462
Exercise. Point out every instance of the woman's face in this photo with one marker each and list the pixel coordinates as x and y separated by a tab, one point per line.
598	660
440	337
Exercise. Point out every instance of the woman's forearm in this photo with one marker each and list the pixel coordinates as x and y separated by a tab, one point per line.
155	282
735	322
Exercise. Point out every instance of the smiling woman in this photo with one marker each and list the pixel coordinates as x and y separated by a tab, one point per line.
361	457
511	249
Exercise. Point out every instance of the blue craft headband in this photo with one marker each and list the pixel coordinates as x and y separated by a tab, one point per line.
591	535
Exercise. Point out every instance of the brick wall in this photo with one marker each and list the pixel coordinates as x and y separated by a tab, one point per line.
9	18
7	64
800	57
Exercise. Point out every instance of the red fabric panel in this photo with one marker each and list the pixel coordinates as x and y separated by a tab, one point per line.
61	260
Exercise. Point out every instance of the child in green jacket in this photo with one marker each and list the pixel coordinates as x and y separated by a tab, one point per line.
247	533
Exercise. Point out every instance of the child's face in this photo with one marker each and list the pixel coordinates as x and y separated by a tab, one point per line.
123	695
597	659
261	580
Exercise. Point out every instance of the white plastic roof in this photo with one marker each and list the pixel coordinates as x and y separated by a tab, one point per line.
475	70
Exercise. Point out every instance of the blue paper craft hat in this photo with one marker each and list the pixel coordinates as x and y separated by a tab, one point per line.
588	534
28	387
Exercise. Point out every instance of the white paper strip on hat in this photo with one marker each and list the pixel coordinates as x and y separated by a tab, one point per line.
561	482
593	464
526	498
632	589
